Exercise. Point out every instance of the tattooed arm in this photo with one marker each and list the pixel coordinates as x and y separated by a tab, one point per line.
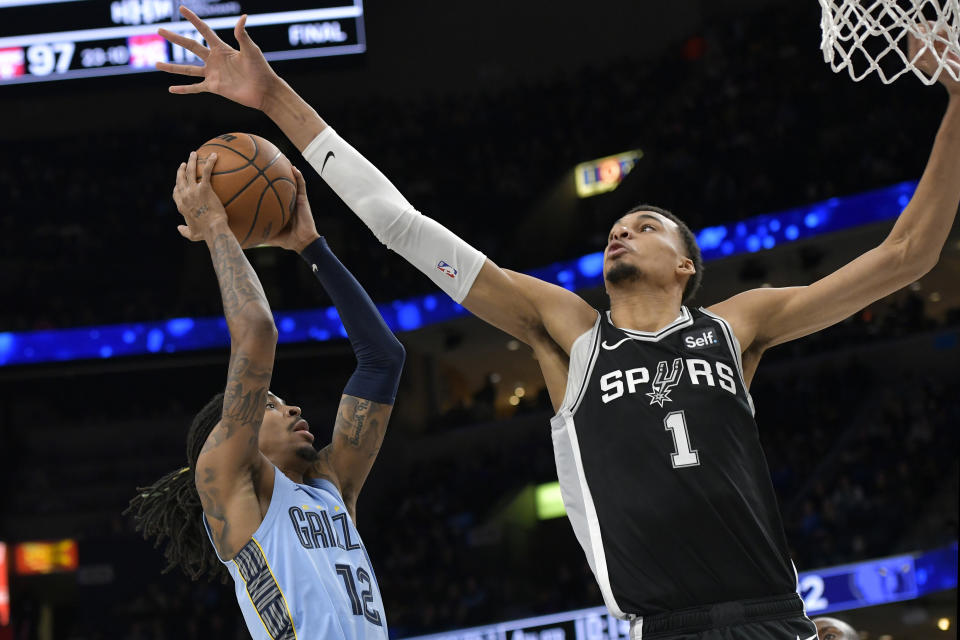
357	436
368	396
229	471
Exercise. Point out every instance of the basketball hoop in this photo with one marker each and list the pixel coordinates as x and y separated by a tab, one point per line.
863	36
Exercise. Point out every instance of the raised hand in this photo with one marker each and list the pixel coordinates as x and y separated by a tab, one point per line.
927	61
243	76
302	230
196	200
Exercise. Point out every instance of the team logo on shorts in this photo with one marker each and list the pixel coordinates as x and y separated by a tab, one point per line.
447	269
664	383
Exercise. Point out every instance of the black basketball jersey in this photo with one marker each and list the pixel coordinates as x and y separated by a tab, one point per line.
661	469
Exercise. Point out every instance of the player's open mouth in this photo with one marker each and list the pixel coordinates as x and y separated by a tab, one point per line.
615	249
302	426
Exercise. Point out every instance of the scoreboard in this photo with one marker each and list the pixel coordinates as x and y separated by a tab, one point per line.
42	40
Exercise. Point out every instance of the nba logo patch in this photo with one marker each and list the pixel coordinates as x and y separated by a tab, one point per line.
447	269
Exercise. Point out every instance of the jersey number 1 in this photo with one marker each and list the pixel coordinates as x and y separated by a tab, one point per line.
676	423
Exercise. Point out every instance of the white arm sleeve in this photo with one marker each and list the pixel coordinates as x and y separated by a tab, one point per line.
450	262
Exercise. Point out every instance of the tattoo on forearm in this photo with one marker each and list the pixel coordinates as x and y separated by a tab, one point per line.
359	416
239	285
243	402
361	423
245	394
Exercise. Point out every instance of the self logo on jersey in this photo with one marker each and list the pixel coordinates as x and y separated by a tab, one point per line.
700	339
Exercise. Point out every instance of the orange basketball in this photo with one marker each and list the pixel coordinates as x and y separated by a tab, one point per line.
255	183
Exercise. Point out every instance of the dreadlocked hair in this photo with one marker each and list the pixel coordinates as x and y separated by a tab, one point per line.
169	510
689	242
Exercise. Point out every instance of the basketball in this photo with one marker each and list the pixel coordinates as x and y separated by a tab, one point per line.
255	183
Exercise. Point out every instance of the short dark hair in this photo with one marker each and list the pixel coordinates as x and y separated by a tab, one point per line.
170	509
689	241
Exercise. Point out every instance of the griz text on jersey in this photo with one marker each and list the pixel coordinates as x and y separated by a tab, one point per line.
318	530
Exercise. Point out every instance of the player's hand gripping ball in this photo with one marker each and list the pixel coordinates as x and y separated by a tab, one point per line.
255	183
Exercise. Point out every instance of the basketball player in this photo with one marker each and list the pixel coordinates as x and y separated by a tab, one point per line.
833	629
657	451
279	514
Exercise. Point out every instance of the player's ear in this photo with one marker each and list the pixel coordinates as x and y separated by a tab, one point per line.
686	267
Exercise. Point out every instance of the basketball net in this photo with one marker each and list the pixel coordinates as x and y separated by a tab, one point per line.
863	36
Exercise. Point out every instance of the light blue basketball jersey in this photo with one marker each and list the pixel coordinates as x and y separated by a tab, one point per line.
305	573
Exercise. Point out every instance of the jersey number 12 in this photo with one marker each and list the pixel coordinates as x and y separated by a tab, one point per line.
676	423
359	603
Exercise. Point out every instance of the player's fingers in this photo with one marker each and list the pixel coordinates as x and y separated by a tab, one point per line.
913	46
188	233
182	69
187	43
208	34
181	177
199	87
208	168
301	184
191	170
240	33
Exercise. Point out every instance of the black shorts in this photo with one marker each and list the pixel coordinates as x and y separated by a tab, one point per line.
774	618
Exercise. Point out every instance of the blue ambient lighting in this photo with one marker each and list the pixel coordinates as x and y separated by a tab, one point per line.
711	237
591	265
179	326
7	342
408	316
190	334
154	340
318	334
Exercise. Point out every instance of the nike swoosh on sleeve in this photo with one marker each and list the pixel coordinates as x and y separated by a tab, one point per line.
330	154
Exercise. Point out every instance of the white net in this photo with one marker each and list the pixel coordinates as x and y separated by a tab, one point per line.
865	36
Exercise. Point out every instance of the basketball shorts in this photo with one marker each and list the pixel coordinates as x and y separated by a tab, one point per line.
774	618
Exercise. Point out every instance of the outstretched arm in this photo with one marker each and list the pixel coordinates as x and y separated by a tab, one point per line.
540	314
763	318
229	466
369	394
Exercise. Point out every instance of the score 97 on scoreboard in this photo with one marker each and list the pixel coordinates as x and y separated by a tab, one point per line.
42	40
